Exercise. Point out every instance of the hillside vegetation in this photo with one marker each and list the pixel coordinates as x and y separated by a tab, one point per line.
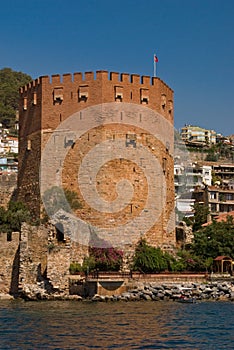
10	82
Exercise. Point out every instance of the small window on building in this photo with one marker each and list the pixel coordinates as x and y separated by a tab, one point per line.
164	165
25	103
58	94
29	145
60	232
118	93
213	207
69	141
131	140
34	98
163	101
170	106
83	93
144	96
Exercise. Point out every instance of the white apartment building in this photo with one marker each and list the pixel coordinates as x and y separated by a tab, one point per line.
196	134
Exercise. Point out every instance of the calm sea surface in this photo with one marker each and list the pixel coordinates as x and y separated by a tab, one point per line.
119	325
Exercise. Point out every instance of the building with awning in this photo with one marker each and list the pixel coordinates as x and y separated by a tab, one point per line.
223	264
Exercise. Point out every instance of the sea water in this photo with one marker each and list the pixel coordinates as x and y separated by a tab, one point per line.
116	325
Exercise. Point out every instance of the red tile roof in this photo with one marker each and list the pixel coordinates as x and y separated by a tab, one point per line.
222	257
221	217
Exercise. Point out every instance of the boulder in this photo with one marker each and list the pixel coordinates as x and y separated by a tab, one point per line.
4	296
146	297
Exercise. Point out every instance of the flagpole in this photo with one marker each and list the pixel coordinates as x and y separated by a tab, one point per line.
154	66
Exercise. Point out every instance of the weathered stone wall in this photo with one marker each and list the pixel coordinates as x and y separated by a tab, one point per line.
58	266
78	252
33	254
8	185
9	262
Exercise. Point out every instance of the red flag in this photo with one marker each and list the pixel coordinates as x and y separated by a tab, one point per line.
155	58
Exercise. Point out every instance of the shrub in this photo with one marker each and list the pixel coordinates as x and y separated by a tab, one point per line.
74	268
89	264
107	259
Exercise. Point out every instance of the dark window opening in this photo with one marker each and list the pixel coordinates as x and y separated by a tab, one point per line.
164	165
9	236
59	232
131	140
144	100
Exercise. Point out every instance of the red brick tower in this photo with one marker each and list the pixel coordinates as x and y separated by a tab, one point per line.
115	110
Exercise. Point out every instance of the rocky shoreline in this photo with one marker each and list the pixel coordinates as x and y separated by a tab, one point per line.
212	291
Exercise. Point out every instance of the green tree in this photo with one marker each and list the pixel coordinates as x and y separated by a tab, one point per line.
10	82
200	215
148	258
12	218
214	240
212	157
190	260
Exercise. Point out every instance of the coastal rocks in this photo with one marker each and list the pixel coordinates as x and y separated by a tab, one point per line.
210	291
4	296
35	292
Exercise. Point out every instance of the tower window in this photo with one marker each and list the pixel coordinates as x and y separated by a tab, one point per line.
163	101
83	93
29	145
34	98
118	93
25	103
144	96
58	94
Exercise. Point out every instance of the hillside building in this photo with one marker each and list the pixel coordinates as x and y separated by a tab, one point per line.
196	134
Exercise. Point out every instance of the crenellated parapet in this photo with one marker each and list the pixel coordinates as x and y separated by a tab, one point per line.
68	93
88	77
8	240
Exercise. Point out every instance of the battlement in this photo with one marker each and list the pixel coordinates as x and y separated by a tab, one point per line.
88	77
9	238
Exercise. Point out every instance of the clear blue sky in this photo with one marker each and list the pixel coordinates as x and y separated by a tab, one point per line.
193	39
